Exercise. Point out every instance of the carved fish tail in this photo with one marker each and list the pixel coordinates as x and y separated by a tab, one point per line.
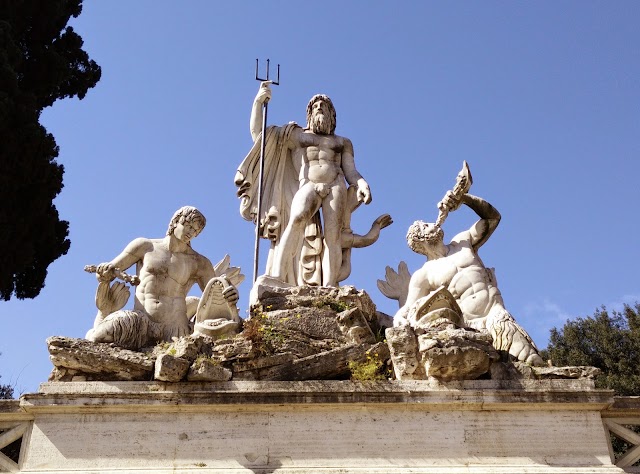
111	297
126	328
509	336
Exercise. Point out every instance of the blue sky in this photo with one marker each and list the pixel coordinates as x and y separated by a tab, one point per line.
541	98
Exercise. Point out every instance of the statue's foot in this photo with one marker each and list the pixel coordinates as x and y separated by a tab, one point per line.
523	350
536	360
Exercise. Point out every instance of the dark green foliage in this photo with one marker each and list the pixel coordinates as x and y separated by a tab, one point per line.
41	60
6	391
13	449
335	305
610	342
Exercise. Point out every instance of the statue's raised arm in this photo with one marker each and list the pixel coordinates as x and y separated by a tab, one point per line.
262	97
479	232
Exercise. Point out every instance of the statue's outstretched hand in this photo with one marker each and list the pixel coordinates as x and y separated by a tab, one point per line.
230	294
364	193
264	93
380	223
383	221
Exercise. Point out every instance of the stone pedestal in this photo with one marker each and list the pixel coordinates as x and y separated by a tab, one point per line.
549	426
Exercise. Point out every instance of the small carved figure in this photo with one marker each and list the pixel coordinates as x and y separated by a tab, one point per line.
166	270
305	172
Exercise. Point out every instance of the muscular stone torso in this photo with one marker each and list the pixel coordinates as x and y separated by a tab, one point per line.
165	279
465	276
317	158
319	162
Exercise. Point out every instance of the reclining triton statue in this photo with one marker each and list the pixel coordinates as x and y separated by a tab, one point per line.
166	269
457	269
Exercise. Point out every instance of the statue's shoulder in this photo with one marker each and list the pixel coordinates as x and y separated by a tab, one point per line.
290	132
291	127
142	244
345	142
203	260
341	138
420	274
463	239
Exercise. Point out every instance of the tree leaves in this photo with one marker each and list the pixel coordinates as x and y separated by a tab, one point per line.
609	341
6	391
41	61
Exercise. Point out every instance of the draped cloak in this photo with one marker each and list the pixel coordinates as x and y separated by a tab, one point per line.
280	184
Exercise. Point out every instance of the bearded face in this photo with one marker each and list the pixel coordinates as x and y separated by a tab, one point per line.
320	122
321	115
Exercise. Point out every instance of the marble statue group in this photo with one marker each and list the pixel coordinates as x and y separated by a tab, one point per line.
310	189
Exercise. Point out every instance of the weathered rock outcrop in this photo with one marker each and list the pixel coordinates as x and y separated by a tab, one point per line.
306	333
438	345
298	333
79	359
443	351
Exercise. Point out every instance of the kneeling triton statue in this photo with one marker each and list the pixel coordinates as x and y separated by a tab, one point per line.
166	270
458	268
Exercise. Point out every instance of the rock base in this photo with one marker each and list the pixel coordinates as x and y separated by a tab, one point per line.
306	333
446	352
295	333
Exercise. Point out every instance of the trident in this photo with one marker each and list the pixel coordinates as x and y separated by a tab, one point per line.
265	107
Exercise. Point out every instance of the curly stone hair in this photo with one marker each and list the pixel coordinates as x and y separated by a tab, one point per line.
186	214
419	233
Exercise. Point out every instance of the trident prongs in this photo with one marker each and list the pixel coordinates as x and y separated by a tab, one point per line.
276	82
265	108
